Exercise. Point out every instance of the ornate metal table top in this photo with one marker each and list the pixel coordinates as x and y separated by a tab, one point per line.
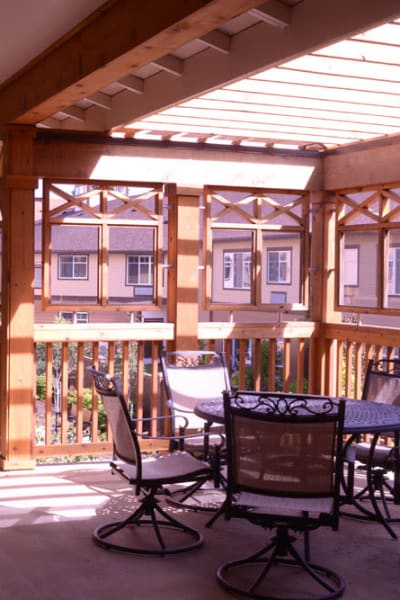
361	416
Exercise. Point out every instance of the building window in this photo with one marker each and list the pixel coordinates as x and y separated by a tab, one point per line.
278	297
350	266
139	270
73	266
38	276
394	271
81	317
369	219
237	270
279	266
66	316
71	317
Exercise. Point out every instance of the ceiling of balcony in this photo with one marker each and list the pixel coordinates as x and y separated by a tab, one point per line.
302	74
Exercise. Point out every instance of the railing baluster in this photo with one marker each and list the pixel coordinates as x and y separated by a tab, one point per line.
292	356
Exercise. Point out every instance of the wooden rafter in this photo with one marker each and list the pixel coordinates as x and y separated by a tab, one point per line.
78	65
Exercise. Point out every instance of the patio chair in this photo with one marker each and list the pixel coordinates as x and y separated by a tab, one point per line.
190	376
147	475
284	455
381	384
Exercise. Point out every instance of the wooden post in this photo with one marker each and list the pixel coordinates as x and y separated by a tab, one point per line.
328	363
17	348
183	259
322	284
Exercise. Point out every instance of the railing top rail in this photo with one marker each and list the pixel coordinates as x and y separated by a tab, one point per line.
104	332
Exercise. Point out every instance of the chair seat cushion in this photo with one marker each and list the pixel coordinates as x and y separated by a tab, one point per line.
285	506
381	454
160	470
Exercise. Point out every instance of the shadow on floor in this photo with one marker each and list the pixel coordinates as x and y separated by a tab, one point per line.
47	518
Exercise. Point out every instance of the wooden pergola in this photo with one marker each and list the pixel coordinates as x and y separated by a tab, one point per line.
79	67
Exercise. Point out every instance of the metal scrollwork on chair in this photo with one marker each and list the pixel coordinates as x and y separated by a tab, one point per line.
280	403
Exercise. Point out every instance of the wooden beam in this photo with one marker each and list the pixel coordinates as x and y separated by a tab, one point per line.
100	99
313	25
132	83
217	40
171	64
274	13
117	39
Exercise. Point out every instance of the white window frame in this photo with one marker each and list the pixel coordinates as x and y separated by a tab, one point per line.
78	260
66	315
77	318
145	269
38	276
237	269
284	260
393	273
350	266
81	317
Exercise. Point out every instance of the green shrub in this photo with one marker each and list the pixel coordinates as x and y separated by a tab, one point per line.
41	387
87	399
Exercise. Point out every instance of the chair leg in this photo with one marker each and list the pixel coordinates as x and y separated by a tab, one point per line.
216	515
196	496
374	492
148	513
273	554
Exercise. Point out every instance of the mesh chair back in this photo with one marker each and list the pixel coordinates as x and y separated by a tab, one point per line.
279	445
191	376
382	381
125	442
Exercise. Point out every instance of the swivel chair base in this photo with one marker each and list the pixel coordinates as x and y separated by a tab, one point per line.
149	514
238	576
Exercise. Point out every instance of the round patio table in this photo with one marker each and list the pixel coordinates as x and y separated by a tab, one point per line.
361	416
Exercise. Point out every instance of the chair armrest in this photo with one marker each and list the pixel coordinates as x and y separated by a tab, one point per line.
146	436
180	436
161	418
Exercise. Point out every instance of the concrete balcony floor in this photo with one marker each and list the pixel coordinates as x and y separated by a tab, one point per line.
47	517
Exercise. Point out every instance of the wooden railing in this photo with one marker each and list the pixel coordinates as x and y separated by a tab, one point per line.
295	356
70	419
348	348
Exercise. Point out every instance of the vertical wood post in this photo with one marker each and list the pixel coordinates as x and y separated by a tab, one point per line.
183	279
316	276
17	348
322	284
327	313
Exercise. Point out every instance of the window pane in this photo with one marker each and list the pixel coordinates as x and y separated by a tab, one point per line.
140	269
81	317
131	265
38	277
72	266
350	265
392	270
237	270
66	316
358	269
278	266
231	266
282	268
